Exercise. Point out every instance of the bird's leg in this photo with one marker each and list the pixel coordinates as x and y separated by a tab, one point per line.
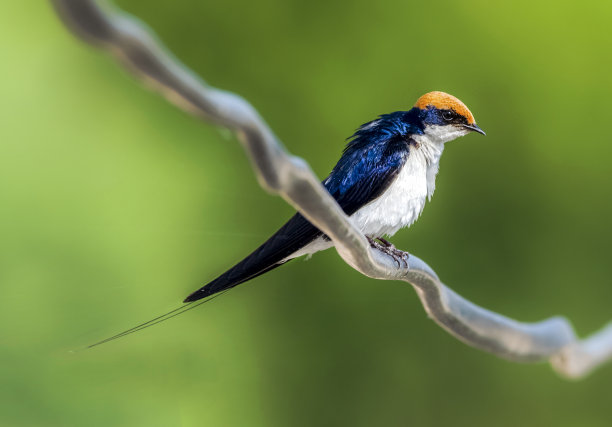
385	242
376	244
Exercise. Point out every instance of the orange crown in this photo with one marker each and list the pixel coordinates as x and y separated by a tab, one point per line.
444	101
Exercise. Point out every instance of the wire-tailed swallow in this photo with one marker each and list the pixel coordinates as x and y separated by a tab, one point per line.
385	174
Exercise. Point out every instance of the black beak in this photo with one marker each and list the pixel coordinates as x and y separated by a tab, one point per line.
475	128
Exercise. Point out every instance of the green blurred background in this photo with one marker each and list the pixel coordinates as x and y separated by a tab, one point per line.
114	206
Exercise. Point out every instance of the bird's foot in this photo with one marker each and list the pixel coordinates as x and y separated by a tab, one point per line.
400	257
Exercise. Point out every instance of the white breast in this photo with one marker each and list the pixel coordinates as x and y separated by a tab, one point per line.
402	203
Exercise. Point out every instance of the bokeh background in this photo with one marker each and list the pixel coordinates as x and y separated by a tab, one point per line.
114	206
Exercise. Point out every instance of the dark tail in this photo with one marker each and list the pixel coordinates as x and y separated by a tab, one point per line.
294	235
233	277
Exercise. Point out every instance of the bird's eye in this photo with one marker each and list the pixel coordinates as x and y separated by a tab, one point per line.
448	115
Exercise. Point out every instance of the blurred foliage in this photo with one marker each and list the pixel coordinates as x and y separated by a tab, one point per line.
114	206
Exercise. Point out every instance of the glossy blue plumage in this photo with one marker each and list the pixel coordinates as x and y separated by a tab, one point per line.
369	163
374	150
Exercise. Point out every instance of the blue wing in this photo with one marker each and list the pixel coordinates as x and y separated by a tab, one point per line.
366	168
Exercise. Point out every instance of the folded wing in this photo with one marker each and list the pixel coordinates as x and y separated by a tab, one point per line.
361	175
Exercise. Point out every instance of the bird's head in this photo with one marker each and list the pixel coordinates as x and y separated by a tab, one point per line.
436	118
444	117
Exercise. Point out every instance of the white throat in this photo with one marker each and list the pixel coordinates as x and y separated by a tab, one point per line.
441	134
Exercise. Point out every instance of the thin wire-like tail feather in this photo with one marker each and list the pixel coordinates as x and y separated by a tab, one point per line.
369	164
162	318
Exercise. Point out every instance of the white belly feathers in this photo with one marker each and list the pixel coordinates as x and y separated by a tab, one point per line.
400	205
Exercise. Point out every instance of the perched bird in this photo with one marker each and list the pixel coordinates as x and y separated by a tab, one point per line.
386	172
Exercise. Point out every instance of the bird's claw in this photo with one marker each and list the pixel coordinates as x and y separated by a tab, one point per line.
399	256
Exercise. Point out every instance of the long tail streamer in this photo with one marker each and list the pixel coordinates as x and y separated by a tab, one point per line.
162	318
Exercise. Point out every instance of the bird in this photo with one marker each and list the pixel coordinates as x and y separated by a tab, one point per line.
385	175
